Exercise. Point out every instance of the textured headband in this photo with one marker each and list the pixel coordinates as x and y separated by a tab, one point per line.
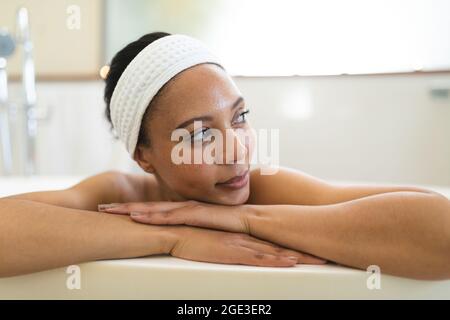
154	66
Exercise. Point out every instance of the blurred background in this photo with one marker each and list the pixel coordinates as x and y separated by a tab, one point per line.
358	89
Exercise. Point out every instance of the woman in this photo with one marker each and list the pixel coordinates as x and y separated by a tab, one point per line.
221	212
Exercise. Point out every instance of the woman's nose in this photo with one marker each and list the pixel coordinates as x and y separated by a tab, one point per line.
236	147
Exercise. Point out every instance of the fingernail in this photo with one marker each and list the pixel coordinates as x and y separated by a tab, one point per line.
135	214
107	206
292	258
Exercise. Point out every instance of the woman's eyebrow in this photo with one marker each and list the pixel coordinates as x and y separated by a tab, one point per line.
208	118
238	101
187	122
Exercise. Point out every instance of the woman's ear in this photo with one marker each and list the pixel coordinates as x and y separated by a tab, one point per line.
143	157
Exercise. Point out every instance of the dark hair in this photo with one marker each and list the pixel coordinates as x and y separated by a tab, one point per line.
117	66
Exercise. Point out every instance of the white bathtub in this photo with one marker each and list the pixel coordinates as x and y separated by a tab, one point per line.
163	277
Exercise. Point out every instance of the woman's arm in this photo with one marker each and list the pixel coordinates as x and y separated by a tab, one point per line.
105	187
37	236
47	229
404	233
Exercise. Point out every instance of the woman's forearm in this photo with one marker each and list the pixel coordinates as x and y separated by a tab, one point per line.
35	236
404	233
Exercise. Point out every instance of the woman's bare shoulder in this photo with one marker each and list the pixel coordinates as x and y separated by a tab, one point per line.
286	186
105	187
290	186
139	187
116	186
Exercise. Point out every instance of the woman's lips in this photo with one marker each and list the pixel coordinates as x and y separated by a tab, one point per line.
236	182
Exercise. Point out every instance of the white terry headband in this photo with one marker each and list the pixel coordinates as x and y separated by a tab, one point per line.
155	65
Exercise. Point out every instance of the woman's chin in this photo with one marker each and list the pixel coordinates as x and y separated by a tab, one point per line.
234	197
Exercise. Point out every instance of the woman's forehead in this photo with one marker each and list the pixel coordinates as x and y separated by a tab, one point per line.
203	89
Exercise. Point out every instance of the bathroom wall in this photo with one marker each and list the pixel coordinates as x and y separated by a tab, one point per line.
380	128
377	128
67	37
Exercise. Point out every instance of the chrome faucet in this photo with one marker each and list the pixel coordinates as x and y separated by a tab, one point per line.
29	89
7	47
8	112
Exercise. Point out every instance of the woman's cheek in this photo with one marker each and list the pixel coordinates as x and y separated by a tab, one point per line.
251	143
200	176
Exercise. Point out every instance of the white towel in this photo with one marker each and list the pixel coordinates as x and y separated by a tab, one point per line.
155	65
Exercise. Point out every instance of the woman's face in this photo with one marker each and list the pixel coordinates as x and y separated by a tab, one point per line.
203	93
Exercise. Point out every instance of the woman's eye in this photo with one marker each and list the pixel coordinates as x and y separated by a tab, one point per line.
200	135
242	117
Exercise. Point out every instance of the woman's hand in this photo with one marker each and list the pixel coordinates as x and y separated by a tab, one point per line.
192	213
225	218
234	248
